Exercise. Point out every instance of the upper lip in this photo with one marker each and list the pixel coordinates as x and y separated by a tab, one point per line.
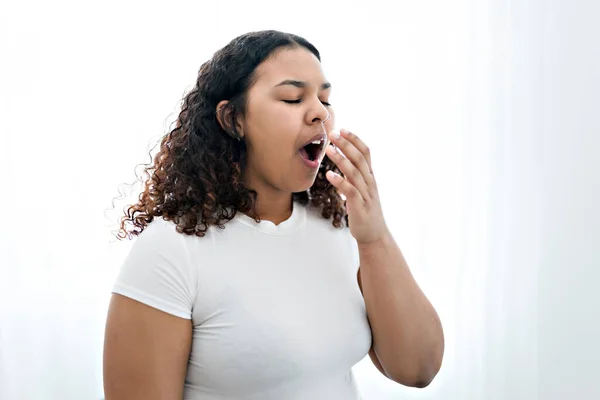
319	136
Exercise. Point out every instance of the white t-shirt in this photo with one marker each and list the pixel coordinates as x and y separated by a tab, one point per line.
276	309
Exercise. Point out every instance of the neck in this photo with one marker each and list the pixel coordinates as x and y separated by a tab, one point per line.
273	209
271	204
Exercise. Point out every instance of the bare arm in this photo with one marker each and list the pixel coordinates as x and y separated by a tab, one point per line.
145	352
372	354
408	339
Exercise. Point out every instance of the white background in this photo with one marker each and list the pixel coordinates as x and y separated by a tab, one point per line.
483	117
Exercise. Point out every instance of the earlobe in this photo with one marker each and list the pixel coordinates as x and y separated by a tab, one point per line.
240	128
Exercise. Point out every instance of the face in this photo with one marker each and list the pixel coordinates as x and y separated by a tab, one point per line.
288	107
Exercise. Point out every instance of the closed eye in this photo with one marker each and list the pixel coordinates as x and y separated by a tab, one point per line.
300	100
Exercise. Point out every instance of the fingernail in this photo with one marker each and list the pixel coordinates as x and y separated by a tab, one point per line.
333	175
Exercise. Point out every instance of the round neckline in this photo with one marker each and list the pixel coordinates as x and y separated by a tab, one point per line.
295	220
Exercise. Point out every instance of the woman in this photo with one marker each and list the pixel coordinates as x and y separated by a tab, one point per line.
244	280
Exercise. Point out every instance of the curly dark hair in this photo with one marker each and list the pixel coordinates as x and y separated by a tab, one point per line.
195	179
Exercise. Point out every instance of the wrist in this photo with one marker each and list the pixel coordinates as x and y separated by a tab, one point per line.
385	240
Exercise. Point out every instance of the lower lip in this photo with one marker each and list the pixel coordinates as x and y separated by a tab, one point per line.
310	164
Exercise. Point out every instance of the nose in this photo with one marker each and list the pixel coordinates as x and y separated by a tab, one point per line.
319	113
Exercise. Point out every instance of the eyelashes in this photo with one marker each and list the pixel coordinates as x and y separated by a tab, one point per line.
326	104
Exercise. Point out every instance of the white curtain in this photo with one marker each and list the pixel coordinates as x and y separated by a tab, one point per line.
483	120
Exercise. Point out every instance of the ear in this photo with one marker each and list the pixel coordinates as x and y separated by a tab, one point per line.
224	113
221	112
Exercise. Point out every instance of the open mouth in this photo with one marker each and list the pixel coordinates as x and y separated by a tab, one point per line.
313	150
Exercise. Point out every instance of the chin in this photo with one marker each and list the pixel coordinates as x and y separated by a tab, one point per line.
303	188
303	178
305	184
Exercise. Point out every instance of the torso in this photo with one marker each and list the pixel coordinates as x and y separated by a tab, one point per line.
278	311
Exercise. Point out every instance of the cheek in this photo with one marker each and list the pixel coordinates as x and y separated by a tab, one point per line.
274	120
273	134
281	125
287	120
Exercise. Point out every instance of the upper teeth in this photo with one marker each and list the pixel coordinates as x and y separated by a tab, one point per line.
316	142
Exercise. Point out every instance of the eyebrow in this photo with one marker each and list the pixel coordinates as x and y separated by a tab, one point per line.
301	84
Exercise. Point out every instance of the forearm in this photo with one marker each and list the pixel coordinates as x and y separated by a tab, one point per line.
407	333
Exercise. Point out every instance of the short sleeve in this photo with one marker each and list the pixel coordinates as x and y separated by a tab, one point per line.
157	270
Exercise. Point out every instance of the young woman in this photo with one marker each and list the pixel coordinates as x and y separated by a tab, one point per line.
244	279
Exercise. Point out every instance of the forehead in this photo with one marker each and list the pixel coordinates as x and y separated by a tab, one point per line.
290	63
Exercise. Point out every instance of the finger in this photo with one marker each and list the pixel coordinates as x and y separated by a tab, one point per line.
359	144
359	161
354	155
351	173
344	186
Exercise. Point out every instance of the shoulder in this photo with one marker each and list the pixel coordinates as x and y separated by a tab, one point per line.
315	218
332	240
158	227
164	232
317	225
161	238
158	270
